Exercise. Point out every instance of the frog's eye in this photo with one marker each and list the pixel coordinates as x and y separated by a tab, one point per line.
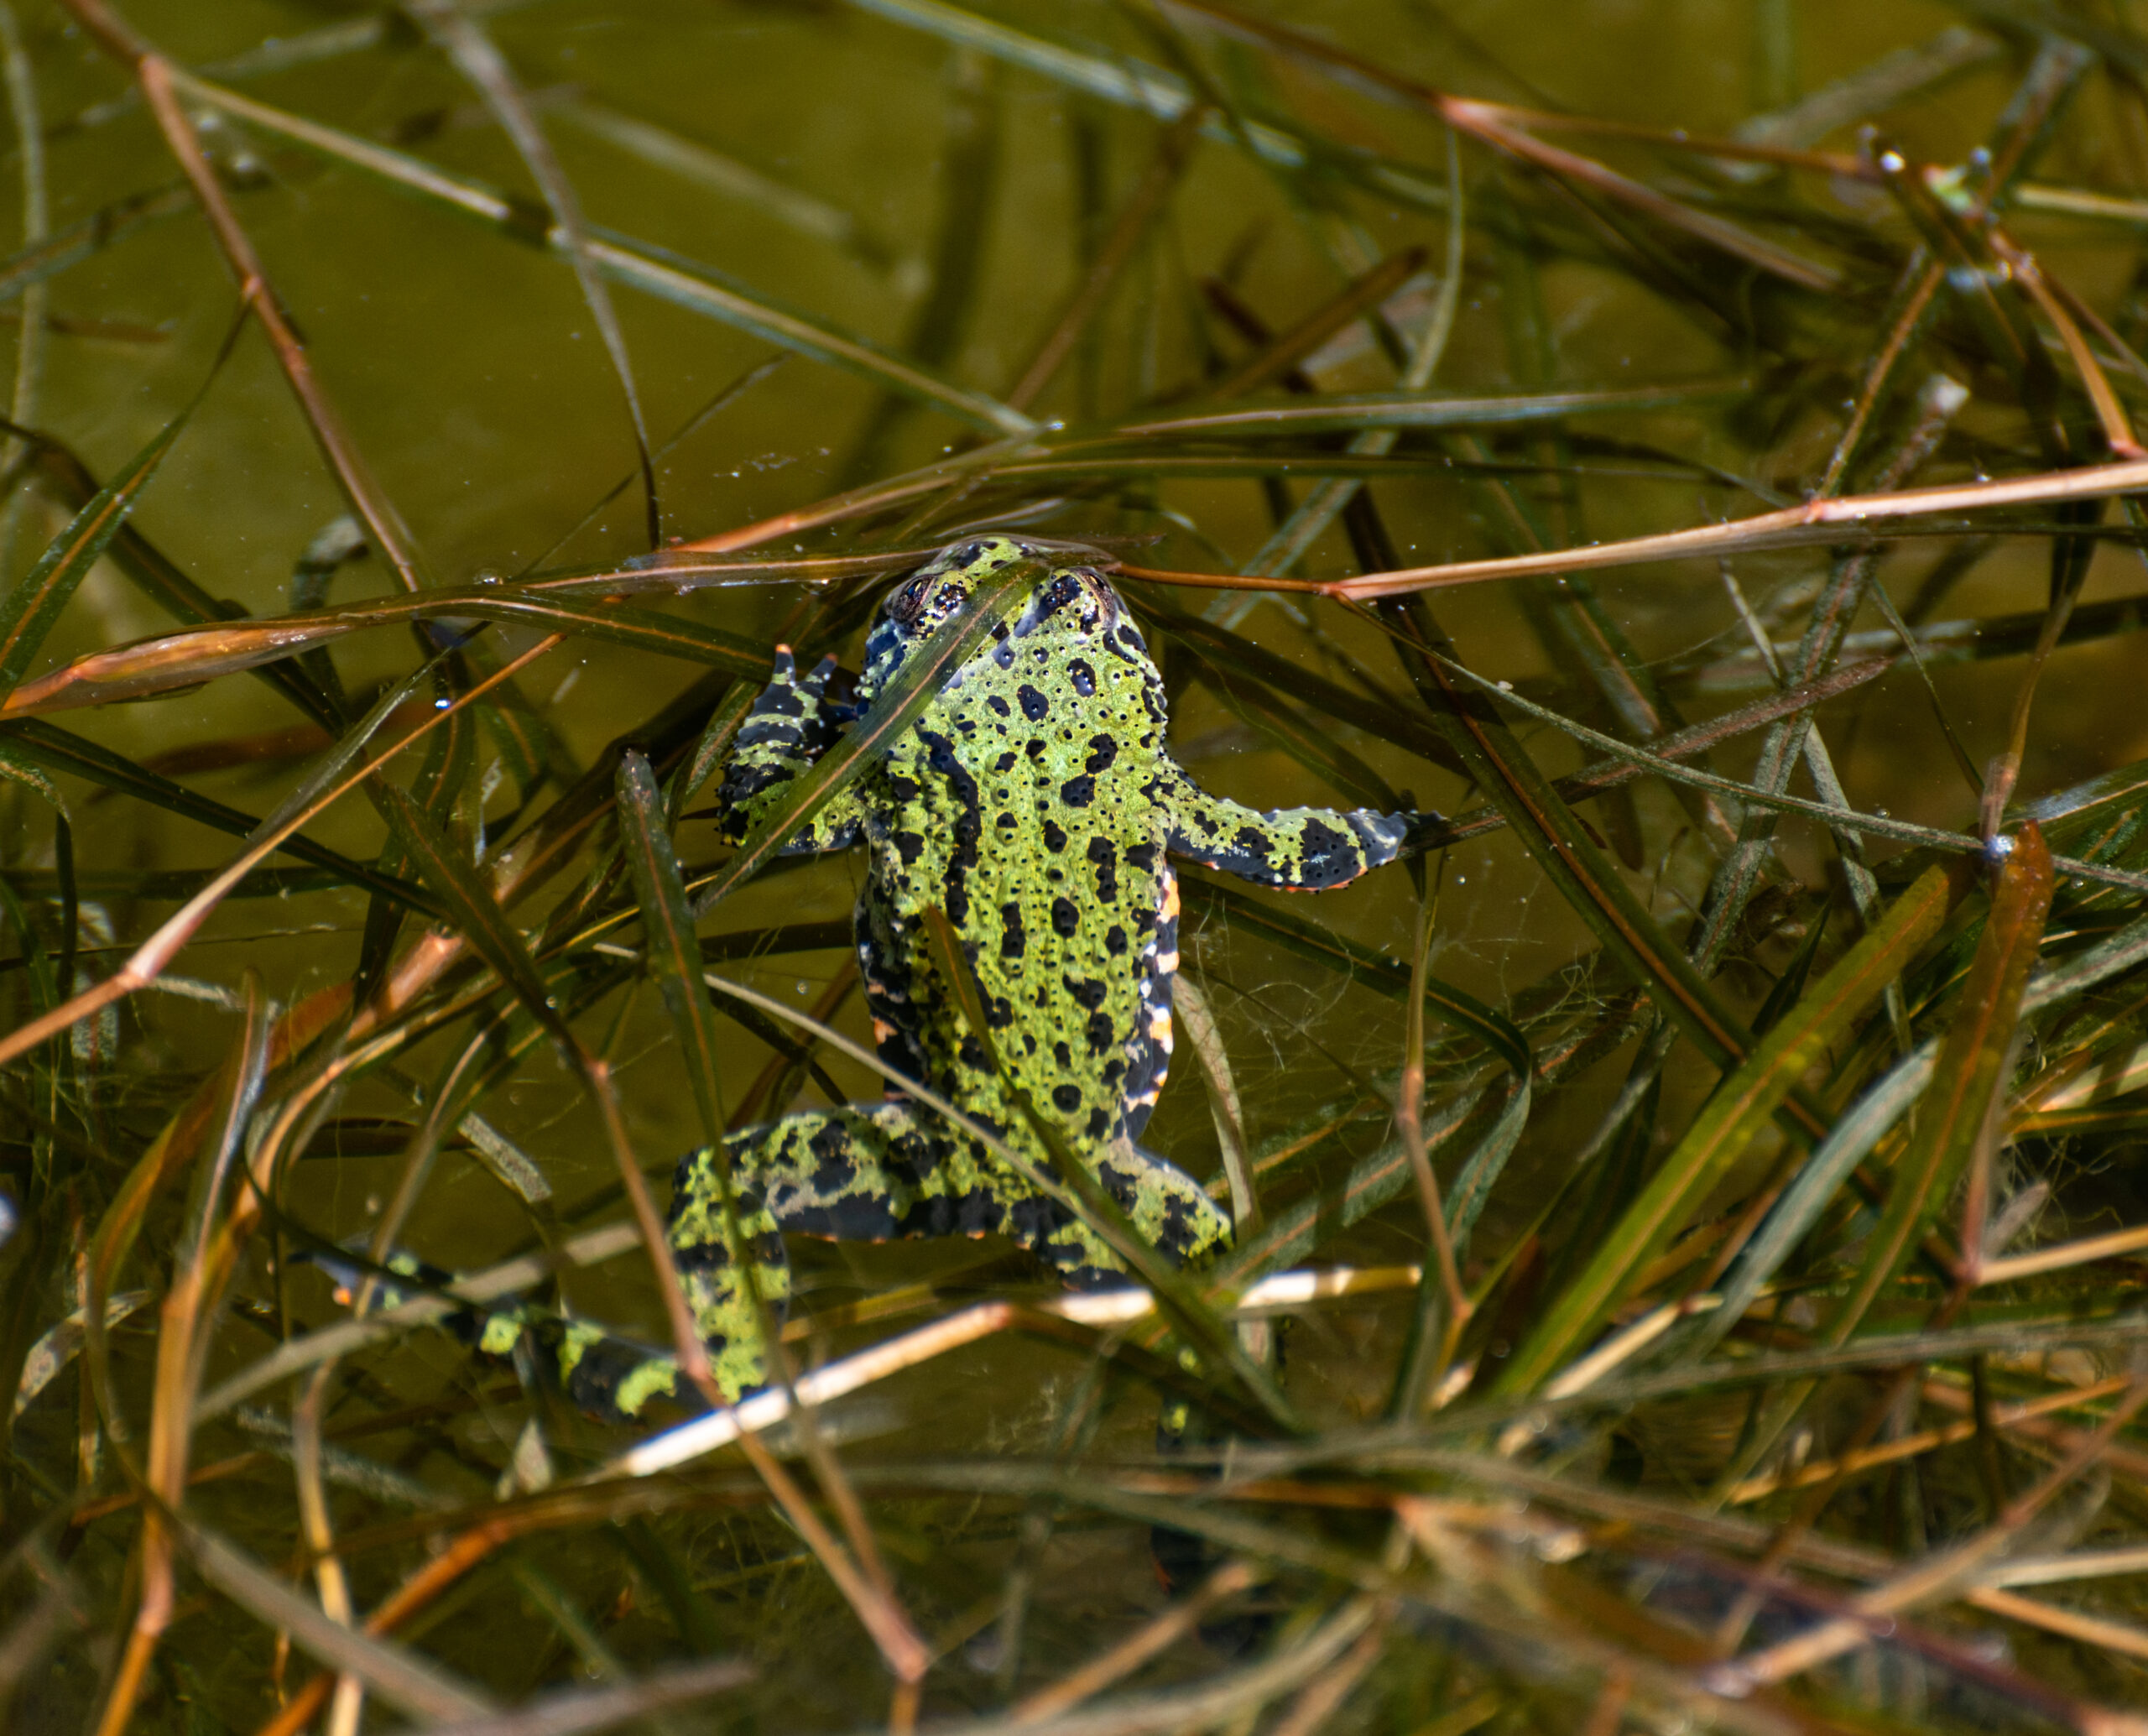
907	603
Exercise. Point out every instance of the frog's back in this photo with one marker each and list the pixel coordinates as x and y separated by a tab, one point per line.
1028	803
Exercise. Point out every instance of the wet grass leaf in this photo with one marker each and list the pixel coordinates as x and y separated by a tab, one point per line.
1743	1104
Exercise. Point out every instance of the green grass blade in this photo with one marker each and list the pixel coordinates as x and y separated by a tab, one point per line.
1965	1083
478	59
1381	718
1742	1105
59	750
29	611
1078	1188
470	907
1267	713
675	955
699	288
1364	412
154	574
1570	858
196	654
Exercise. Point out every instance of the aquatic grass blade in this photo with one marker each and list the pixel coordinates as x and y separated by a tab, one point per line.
151	572
1179	1296
55	749
1563	849
401	1677
32	607
470	906
699	288
478	59
668	926
1966	1080
193	655
1451	1006
1742	1105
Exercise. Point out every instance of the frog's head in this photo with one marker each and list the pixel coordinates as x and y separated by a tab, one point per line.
1064	596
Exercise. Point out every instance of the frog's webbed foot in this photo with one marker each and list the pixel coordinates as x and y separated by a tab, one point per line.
791	724
1299	849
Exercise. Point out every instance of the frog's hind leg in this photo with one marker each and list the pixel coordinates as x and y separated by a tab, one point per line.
860	1172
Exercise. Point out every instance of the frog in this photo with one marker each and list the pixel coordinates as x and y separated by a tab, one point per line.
1036	805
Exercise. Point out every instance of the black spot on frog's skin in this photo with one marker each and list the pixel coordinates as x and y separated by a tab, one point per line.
998	705
1083	677
833	1164
1142	856
1331	857
1035	705
1013	941
974	1056
908	846
1033	1220
1054	838
1099	1125
1103	750
1065	919
1004	820
1105	855
1067	1098
1088	993
1005	763
1035	748
902	790
1000	1012
1115	941
1078	792
1061	1053
1099	1032
1049	601
959	903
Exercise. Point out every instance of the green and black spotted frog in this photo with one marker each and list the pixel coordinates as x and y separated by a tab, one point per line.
1036	803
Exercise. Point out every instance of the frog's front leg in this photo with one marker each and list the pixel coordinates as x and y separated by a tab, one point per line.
1299	849
791	724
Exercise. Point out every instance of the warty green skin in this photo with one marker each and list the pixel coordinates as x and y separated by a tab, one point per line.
1036	803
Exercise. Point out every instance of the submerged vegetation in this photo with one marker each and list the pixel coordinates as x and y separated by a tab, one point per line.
1690	1265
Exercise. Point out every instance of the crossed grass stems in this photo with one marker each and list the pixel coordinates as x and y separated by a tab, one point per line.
1875	1244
